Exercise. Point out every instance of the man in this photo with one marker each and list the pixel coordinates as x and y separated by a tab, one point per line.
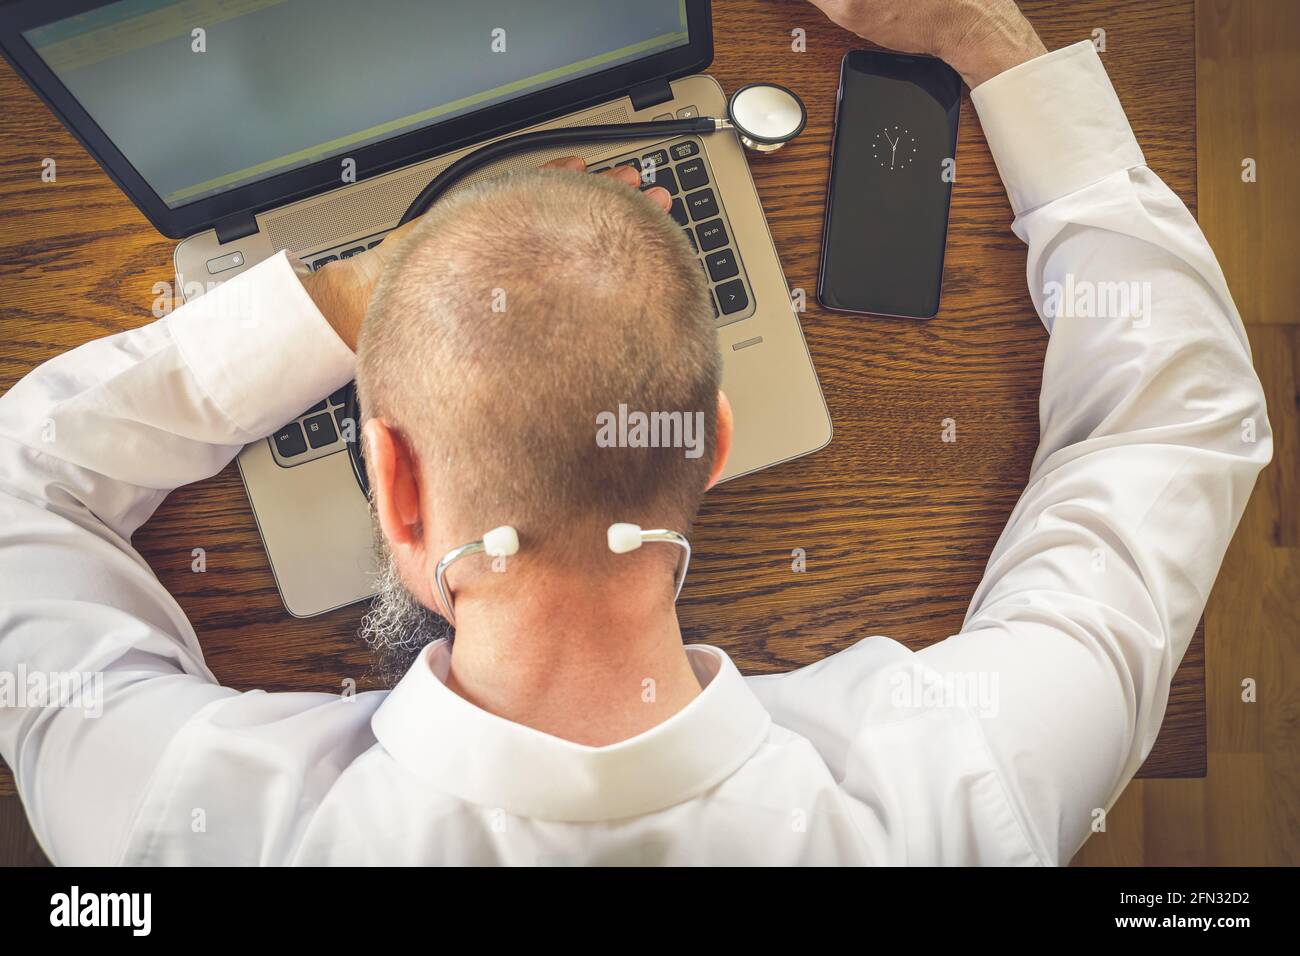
570	724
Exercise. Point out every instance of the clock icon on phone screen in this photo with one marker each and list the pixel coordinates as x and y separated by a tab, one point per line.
894	147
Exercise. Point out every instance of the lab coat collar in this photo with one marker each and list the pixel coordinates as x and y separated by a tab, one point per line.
490	761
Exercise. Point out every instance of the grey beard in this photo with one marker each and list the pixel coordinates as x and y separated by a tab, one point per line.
397	626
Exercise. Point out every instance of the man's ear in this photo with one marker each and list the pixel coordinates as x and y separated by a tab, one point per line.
394	485
722	441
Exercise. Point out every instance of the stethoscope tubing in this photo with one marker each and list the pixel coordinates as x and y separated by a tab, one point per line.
538	139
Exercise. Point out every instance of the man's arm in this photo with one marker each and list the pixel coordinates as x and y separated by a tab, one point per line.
90	443
1153	429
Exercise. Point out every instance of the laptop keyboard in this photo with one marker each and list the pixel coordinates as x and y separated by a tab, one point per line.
317	432
680	167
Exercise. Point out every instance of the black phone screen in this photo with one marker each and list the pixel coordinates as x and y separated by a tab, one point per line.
892	169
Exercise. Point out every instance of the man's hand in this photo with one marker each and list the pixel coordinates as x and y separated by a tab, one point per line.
342	289
977	38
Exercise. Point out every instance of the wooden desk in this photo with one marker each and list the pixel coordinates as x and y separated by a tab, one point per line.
896	524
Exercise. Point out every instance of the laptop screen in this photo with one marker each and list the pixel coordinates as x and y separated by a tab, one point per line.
205	96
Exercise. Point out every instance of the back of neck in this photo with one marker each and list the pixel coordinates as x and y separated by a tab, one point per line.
590	665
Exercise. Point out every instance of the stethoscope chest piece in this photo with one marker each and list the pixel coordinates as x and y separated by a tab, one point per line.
766	116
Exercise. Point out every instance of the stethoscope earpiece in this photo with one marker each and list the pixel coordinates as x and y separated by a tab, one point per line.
624	537
503	542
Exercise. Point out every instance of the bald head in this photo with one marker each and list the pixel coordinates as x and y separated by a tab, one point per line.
517	318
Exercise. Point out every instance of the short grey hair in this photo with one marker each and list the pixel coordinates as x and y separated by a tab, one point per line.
516	312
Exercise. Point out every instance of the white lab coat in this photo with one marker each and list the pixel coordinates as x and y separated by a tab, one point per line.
1152	434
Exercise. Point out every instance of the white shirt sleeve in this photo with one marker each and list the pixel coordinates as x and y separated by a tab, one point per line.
90	444
1152	431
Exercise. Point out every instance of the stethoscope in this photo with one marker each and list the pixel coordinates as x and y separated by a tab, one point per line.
764	116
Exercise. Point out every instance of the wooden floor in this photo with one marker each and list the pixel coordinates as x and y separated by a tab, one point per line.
1247	810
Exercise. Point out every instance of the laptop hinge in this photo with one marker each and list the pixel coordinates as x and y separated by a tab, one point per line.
235	227
650	94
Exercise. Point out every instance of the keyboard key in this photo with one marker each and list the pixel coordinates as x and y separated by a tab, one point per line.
602	169
318	407
722	264
336	398
375	243
320	430
711	235
289	441
659	157
690	236
659	176
678	212
731	296
683	150
692	174
702	205
322	262
352	252
633	162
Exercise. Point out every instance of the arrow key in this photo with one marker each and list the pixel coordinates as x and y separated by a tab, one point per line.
732	297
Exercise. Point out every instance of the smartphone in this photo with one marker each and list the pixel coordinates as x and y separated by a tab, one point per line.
892	168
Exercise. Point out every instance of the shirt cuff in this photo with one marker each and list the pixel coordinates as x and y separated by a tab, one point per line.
260	348
1055	125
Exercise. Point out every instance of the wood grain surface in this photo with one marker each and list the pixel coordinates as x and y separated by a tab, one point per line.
896	524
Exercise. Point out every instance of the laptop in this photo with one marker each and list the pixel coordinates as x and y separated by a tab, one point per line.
246	127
